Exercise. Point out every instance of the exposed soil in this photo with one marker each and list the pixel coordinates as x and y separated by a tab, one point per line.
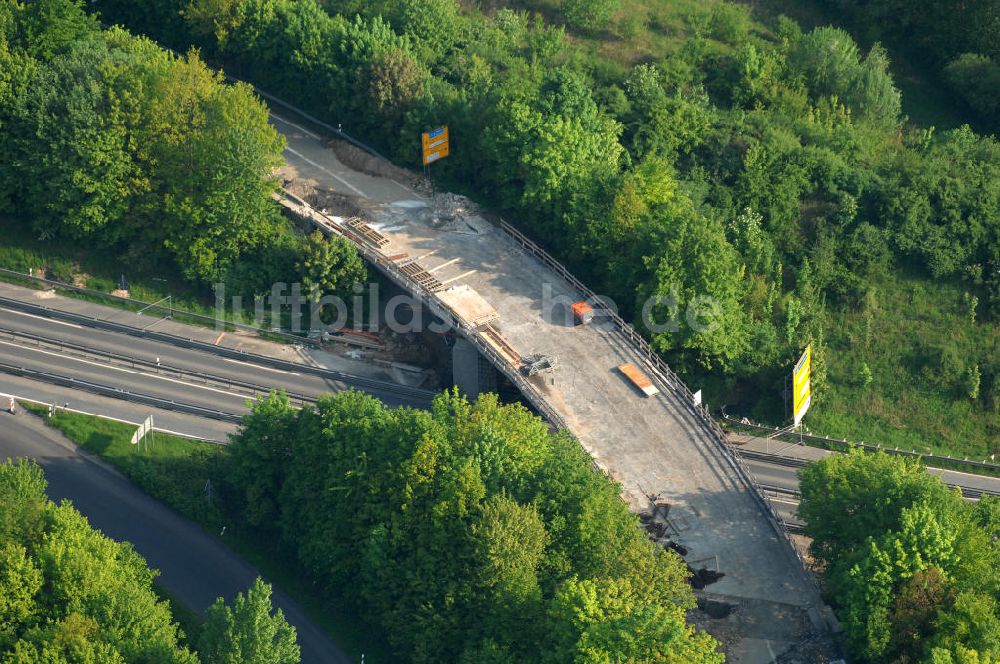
355	158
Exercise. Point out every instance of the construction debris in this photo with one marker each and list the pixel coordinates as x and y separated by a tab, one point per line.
535	364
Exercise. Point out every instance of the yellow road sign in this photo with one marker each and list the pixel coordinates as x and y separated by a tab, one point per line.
801	385
435	144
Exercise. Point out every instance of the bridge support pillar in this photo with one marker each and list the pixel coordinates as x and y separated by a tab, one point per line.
471	372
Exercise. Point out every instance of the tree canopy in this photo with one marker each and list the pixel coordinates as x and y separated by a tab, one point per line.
469	533
645	178
910	566
69	594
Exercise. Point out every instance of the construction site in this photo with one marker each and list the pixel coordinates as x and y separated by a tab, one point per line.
512	308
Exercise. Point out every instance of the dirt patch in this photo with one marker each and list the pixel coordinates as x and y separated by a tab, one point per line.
359	160
328	201
739	622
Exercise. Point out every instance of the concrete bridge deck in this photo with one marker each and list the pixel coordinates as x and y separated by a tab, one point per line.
653	446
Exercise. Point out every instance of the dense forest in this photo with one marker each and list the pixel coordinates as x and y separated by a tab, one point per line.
68	594
110	141
470	533
759	169
958	39
909	565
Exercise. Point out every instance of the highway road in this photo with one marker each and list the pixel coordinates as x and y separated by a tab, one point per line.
128	380
194	567
16	349
128	411
781	472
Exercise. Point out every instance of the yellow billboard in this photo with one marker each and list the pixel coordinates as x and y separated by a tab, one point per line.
801	388
436	145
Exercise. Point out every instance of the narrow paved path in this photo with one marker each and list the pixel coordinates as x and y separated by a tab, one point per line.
194	567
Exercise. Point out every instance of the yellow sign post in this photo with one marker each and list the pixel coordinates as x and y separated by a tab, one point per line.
435	145
801	387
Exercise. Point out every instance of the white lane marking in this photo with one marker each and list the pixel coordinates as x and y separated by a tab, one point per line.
260	366
128	371
115	419
47	320
327	171
774	657
299	127
405	188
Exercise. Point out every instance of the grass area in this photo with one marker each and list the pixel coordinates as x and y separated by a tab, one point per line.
925	101
918	339
174	469
649	30
78	264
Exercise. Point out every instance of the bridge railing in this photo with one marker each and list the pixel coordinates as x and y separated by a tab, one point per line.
428	298
845	445
670	380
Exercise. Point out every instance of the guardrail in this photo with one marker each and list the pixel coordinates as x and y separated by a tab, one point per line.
413	394
117	393
669	380
845	445
391	270
173	312
205	379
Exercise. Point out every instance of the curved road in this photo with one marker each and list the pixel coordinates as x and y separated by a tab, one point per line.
194	567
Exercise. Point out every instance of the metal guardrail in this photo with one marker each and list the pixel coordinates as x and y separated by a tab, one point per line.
845	445
654	363
410	393
671	381
428	298
117	393
205	379
171	311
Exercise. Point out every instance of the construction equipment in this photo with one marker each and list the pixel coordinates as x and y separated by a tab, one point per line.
538	363
582	312
639	379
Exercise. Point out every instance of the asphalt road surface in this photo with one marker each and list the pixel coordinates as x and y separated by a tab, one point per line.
194	567
169	355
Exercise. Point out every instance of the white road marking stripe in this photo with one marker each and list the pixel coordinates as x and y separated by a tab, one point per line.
327	171
43	318
124	370
299	127
260	366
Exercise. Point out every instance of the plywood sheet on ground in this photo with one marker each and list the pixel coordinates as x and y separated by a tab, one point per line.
469	305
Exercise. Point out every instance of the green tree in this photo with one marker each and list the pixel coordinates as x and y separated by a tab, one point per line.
977	78
849	498
589	14
67	592
330	266
247	632
20	582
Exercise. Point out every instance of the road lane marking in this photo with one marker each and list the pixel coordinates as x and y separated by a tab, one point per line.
442	265
43	318
171	432
261	366
128	371
327	171
461	276
299	127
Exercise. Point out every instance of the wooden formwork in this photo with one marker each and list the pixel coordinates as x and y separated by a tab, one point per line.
421	276
370	235
497	341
